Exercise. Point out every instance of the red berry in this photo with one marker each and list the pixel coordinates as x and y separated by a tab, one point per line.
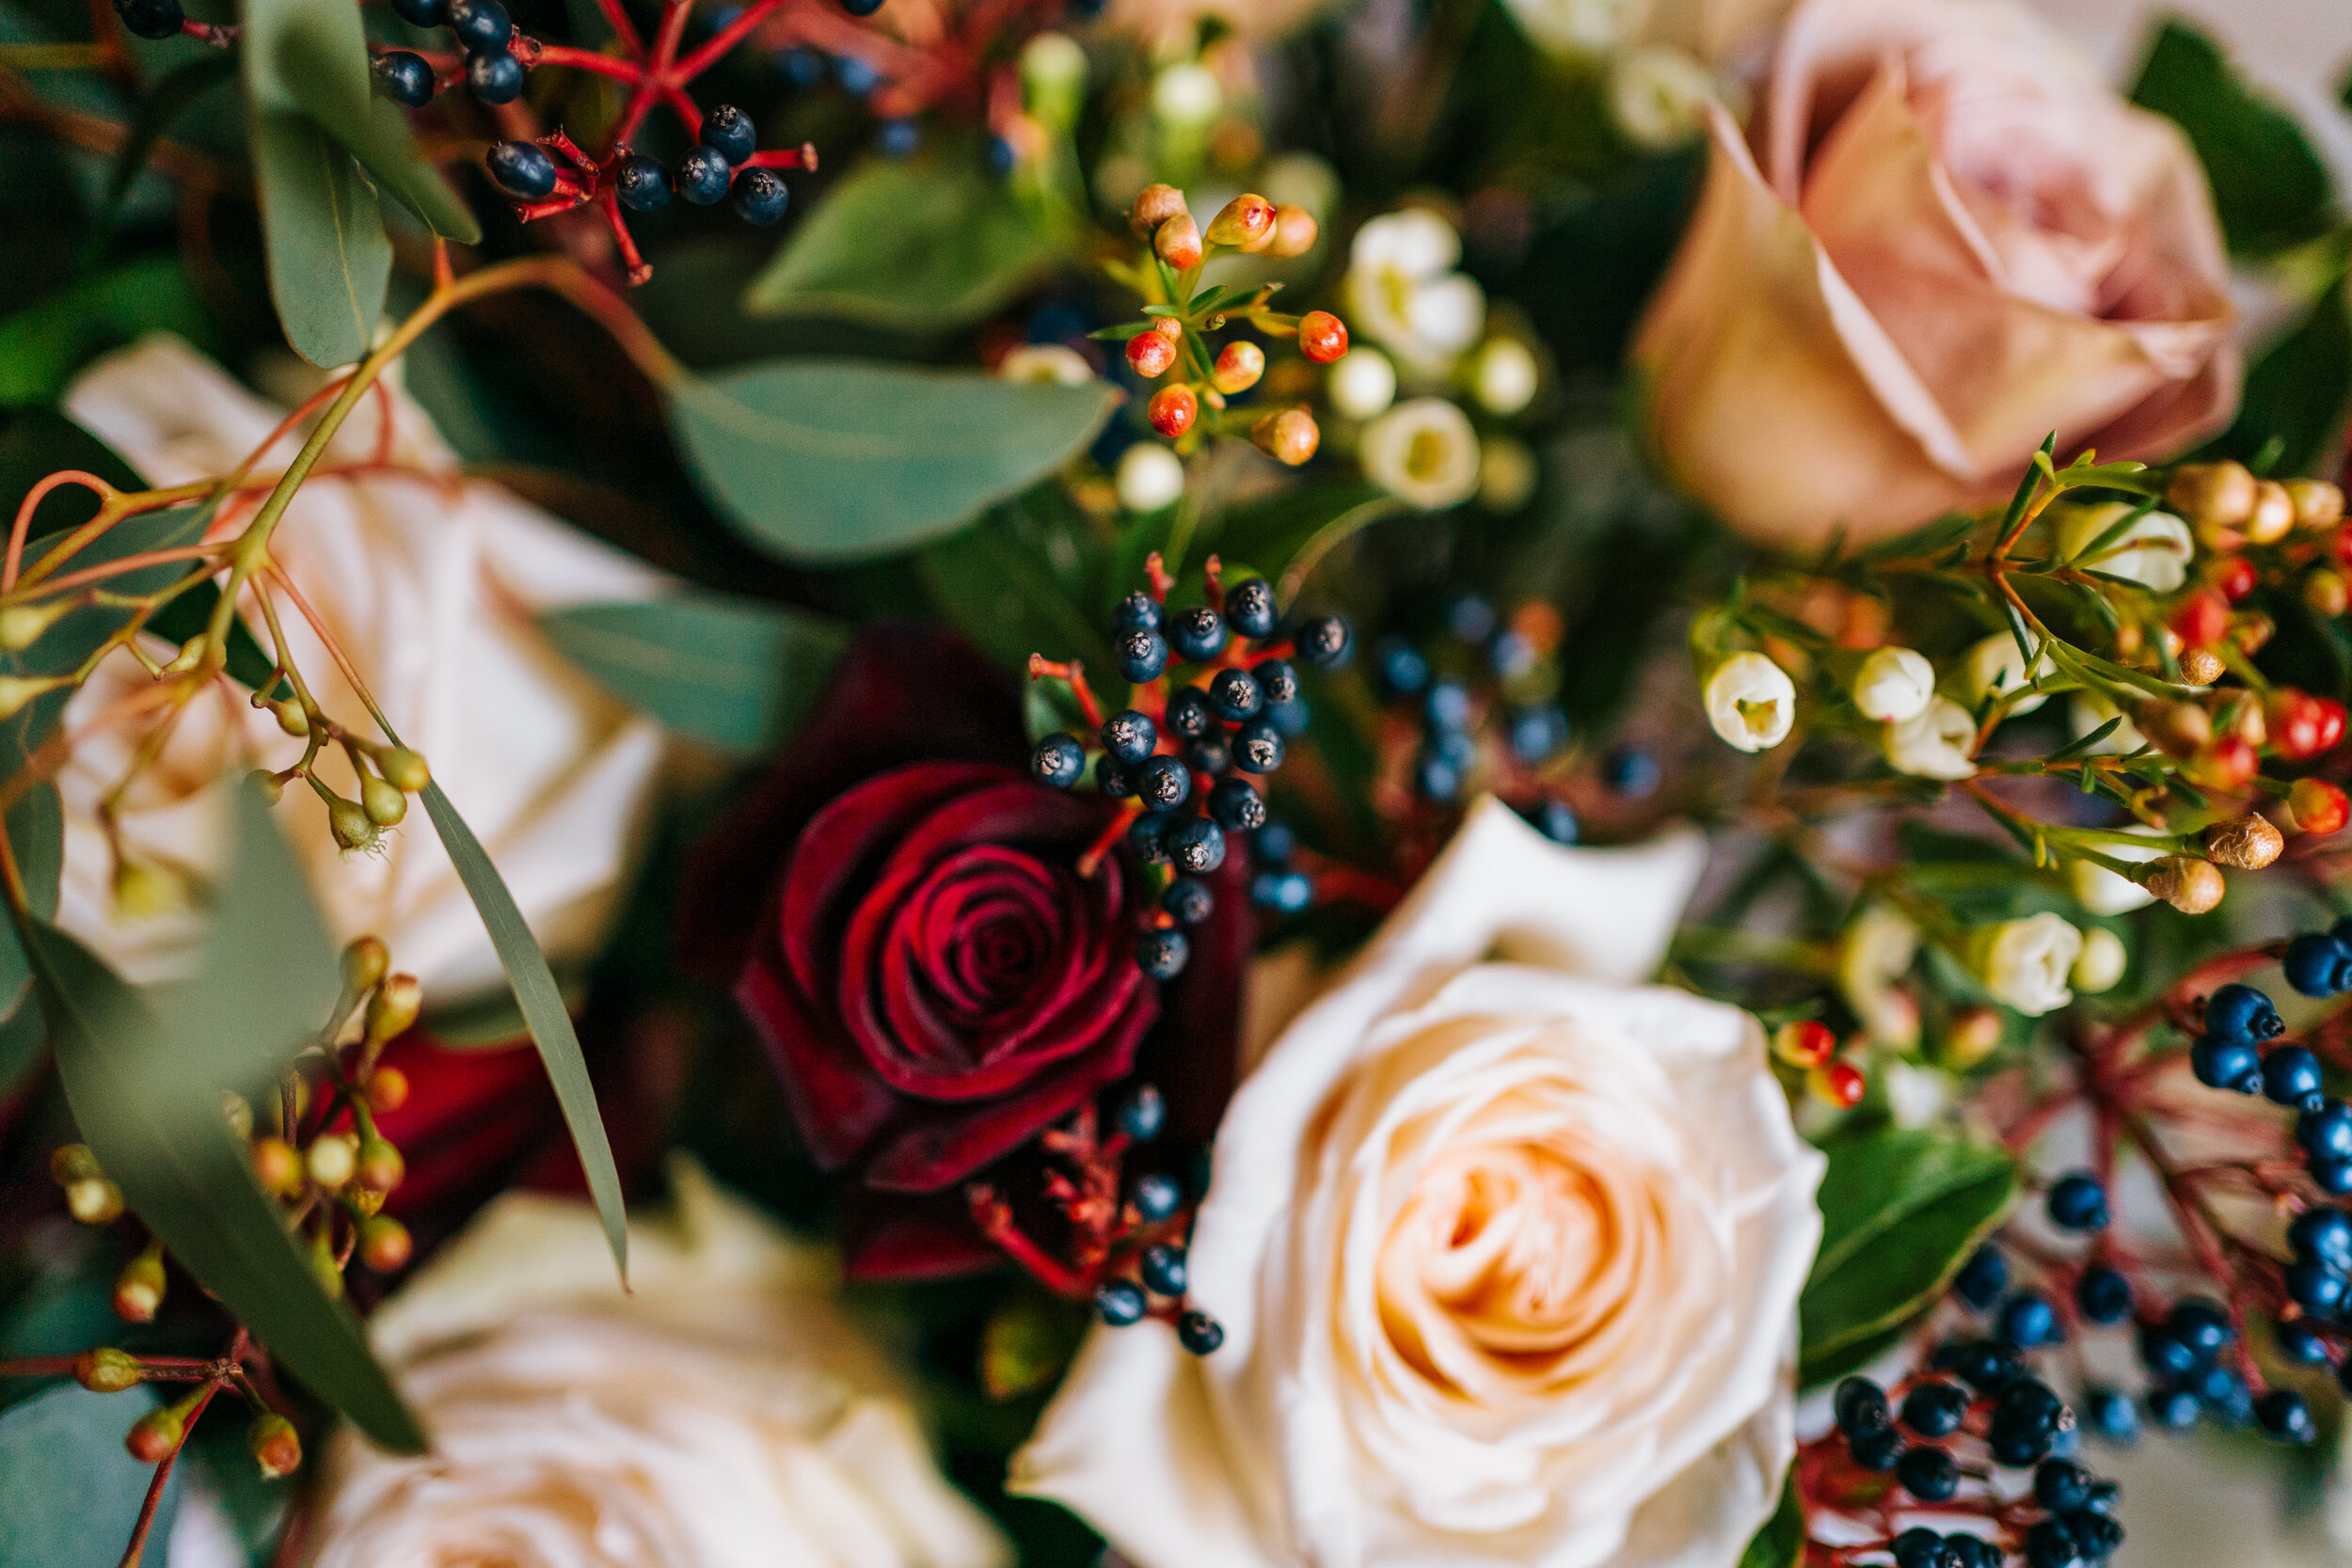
1839	1082
1152	352
2330	723
2203	619
2226	763
2319	807
1322	336
1172	409
2296	723
2234	576
1805	1043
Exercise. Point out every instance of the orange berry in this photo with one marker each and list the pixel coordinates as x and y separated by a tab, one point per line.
388	1089
1154	206
277	1167
385	1243
1839	1084
2318	806
1172	409
1169	328
1804	1043
1294	230
1246	223
1152	353
1288	435
1177	242
2228	763
1322	336
1238	367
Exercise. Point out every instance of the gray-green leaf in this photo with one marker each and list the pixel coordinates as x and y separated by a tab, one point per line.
329	260
69	1493
734	673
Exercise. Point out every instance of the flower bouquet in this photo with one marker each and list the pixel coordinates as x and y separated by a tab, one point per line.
1188	783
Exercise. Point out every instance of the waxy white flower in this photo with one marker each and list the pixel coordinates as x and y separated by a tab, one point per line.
1503	375
1893	685
1994	664
1055	363
2154	551
1873	954
1934	743
1751	701
1149	477
1404	294
2088	710
1361	383
2027	963
2101	962
1423	451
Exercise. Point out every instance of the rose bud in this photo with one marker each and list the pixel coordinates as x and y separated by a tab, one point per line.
1806	1042
393	1007
274	1445
1838	1083
1177	242
1287	435
1322	336
277	1167
1172	409
2317	806
2220	493
380	1167
2273	515
2233	575
2226	763
2200	666
2325	591
1152	353
105	1369
2248	843
1238	367
2202	619
1153	207
385	1245
2317	503
388	1089
366	961
1246	223
139	1288
2189	885
1294	230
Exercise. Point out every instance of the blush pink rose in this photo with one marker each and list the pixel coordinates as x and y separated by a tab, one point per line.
1942	239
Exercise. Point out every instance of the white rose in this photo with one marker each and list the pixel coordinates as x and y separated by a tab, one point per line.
1506	1247
2027	962
1995	664
1423	451
1751	701
725	1416
430	583
2154	551
1404	294
1893	685
1938	742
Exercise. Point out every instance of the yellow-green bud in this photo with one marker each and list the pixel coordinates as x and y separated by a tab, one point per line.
139	1288
95	1201
404	769
291	717
271	786
322	1267
239	1114
384	805
107	1371
385	1245
274	1444
393	1007
380	1167
145	891
21	625
71	1163
332	1160
277	1167
156	1435
190	656
354	829
366	961
17	690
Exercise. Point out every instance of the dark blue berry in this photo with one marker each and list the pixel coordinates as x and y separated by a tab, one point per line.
2165	1353
1918	1546
1163	784
2078	1202
1189	711
1629	771
1436	779
1113	779
642	184
2027	1402
1158	1197
1556	820
701	176
1982	1365
1235	694
861	7
2051	1544
1973	1551
1258	746
2326	1134
2103	1294
1142	655
1196	844
1323	641
1448	706
2313	1286
494	75
2026	1320
1511	656
1250	608
1209	754
422	14
2332	1177
1878	1452
2201	1326
2291	1077
2315	964
2221	1064
1279	679
760	197
2172	1409
727	130
1282	892
1189	901
1163	1270
1120	1302
2061	1485
2096	1536
899	138
404	78
802	68
1860	1406
1138	608
1927	1474
2110	1413
1161	952
481	23
1129	735
1003	156
2223	1393
1935	1408
1147	836
1058	760
2298	1341
1470	618
1142	1114
522	170
1982	1278
1236	805
1398	667
1197	634
2323	1232
1459	752
1273	843
2239	1012
1290	718
150	19
856	77
1537	734
1199	1333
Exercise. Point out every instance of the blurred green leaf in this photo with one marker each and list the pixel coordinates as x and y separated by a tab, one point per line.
542	1009
69	1492
732	672
159	110
328	258
1030	1338
2295	393
1901	1211
918	244
36	836
145	1085
1781	1542
2269	187
1272	533
1001	594
832	460
44	345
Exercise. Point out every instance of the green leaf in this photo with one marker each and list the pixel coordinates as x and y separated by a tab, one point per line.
734	673
2269	187
1781	1542
542	1003
37	835
829	460
144	1085
2295	393
164	102
918	245
1901	1211
329	260
43	347
1274	532
1004	598
69	1492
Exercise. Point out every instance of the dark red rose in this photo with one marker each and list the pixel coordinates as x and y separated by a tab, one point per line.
897	909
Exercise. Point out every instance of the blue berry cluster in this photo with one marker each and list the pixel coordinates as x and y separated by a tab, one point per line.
484	30
1479	673
1161	1269
151	19
1183	766
705	171
2234	1053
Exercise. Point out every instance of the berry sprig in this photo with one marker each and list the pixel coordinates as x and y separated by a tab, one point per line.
1474	711
1183	755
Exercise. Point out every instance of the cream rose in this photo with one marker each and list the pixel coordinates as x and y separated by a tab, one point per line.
1506	1247
1943	239
430	583
725	1416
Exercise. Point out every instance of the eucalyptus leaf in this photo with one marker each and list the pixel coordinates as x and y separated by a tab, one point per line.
69	1492
159	110
918	244
37	838
832	460
734	673
1901	1211
329	260
2269	186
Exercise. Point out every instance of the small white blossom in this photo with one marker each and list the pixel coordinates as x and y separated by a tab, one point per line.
2154	551
1503	376
2026	963
1403	293
1361	383
1425	451
2090	709
1186	95
1893	685
1149	477
1874	953
1934	743
1751	701
1047	363
1658	96
2100	891
1995	664
2101	962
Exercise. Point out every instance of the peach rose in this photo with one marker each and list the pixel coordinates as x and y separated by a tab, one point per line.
1943	239
1506	1247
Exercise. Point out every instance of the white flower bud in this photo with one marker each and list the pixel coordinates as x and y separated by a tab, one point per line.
1893	685
1149	477
2090	709
1658	96
1503	375
1934	743
1425	451
2154	551
1186	96
1751	701
2100	891
2101	964
1995	664
2026	963
1874	953
1361	383
333	1158
1055	363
